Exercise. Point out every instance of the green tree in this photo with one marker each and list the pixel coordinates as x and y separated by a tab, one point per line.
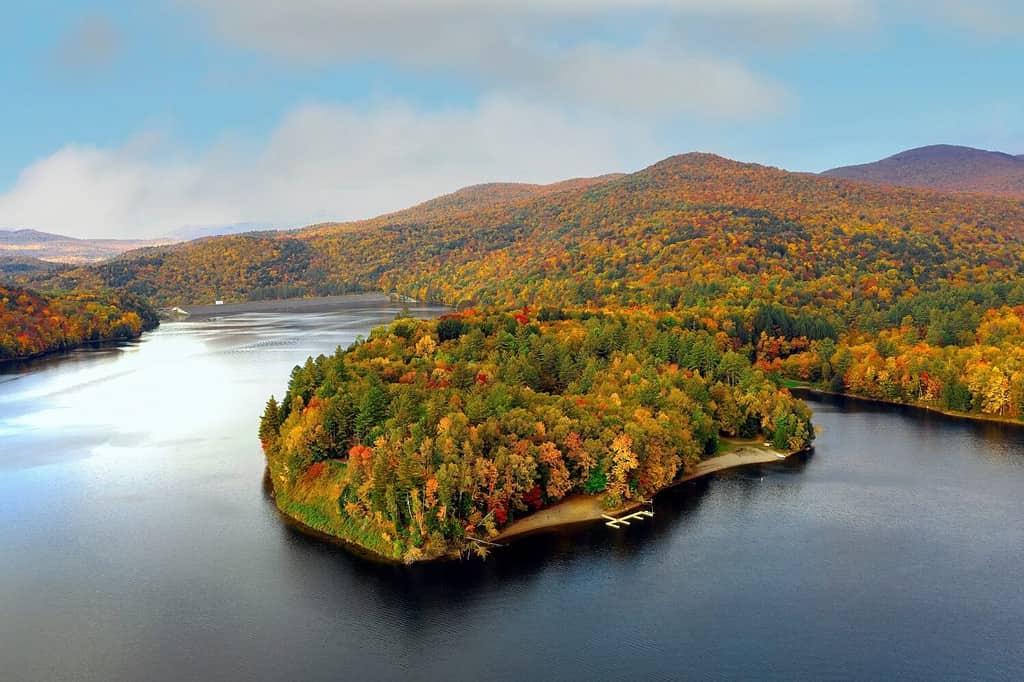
270	422
373	410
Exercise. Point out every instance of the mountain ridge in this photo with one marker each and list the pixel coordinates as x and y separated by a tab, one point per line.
465	199
612	240
944	167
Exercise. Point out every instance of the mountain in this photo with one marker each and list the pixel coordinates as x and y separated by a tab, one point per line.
472	198
27	237
490	194
693	230
946	168
15	266
58	248
186	234
898	294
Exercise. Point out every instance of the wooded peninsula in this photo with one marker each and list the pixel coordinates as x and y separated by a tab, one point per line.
430	434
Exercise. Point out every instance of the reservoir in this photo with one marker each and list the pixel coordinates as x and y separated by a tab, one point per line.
138	541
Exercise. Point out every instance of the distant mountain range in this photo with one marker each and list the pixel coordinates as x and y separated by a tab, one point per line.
944	167
57	248
28	250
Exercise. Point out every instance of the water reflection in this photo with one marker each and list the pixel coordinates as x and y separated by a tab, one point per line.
138	544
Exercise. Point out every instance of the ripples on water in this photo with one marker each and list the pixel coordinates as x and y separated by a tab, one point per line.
138	543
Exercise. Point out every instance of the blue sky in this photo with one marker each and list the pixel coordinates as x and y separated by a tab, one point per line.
137	119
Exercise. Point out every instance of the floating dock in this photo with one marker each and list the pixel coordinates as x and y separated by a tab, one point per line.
613	522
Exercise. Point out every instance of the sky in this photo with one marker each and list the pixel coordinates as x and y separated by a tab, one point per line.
138	119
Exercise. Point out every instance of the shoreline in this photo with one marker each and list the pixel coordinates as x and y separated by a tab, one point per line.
15	364
572	511
952	414
300	526
582	508
316	304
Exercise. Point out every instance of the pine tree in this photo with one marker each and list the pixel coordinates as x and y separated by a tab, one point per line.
373	410
270	422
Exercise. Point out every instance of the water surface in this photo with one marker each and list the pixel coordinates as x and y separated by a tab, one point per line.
138	543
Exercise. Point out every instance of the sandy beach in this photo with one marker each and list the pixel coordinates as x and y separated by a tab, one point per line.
583	508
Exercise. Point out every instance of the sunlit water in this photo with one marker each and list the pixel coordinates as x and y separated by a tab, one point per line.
137	543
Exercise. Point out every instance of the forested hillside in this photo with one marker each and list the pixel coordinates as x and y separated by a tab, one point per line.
691	230
476	197
32	323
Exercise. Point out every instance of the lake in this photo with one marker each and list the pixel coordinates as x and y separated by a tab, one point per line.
138	542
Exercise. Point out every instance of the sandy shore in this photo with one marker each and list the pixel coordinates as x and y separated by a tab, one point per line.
584	508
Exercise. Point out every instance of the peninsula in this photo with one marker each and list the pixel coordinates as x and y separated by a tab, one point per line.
432	436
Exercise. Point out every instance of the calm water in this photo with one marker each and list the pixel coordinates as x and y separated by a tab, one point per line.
137	542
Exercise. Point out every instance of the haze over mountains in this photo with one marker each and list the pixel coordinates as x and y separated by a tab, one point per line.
944	167
57	248
26	245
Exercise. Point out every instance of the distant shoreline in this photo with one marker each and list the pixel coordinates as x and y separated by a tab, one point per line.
201	313
952	414
25	362
320	304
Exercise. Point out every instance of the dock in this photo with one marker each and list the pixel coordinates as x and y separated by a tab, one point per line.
618	522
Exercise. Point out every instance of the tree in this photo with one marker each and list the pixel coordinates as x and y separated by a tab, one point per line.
731	367
270	423
624	461
373	409
558	478
448	328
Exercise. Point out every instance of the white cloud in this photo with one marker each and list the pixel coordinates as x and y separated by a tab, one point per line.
321	163
532	47
441	30
649	81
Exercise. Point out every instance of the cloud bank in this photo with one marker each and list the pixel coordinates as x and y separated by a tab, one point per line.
321	163
534	48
